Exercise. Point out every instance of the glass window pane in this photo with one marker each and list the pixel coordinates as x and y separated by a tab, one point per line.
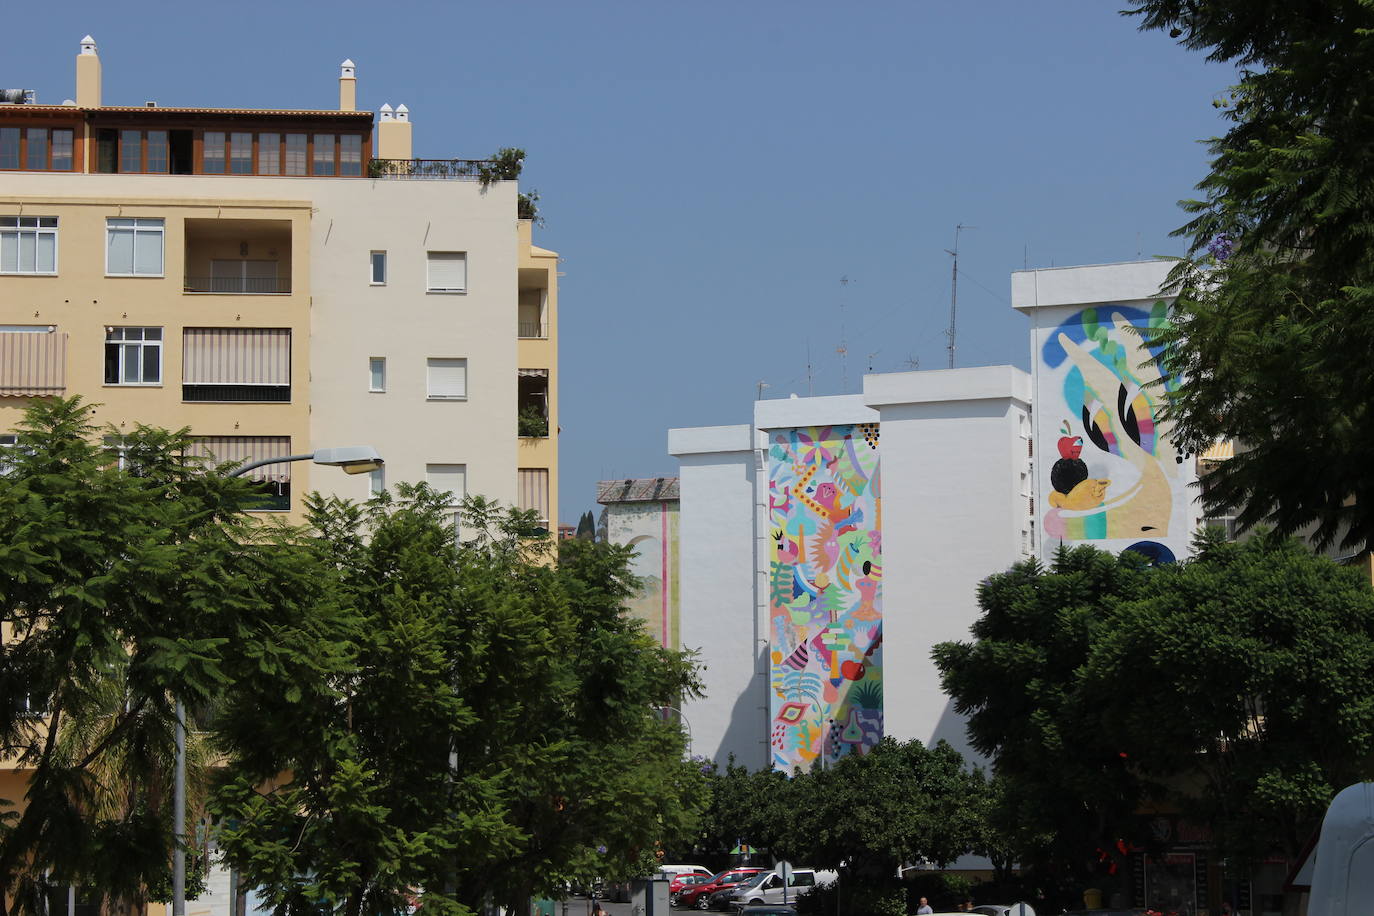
62	150
46	258
152	364
148	253
269	154
111	364
130	373
152	333
379	267
377	367
119	258
9	147
324	154
214	152
131	150
241	153
350	154
26	251
295	154
157	150
9	251
38	148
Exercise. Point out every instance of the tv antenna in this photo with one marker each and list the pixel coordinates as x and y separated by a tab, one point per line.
954	290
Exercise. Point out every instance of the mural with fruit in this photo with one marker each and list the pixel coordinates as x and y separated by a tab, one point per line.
825	593
1118	476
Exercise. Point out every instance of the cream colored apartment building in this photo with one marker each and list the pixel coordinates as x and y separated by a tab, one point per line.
278	282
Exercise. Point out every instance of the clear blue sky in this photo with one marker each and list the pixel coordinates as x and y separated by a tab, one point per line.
709	171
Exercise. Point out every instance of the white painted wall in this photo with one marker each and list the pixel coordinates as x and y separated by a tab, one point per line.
718	591
952	451
953	455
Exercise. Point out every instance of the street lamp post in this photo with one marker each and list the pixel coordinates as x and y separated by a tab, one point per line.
683	719
354	459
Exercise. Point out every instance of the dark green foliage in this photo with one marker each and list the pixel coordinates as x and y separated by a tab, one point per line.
494	729
1273	326
120	589
586	526
1236	688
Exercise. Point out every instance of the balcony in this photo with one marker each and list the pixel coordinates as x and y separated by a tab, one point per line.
530	318
238	257
462	169
533	330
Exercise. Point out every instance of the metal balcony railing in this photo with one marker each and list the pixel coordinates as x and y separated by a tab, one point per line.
238	286
532	329
471	169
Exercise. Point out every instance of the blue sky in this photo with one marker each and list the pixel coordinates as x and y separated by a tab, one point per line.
710	172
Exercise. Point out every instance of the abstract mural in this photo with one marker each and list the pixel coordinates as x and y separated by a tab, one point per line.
1114	474
825	593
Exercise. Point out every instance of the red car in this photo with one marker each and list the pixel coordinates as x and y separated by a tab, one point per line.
685	880
699	895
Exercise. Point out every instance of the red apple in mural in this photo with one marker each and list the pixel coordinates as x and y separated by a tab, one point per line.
1070	446
852	670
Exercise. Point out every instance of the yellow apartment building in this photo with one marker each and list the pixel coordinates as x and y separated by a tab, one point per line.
278	281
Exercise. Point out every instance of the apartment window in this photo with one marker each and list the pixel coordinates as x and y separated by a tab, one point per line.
448	272
534	492
236	364
376	371
37	157
133	247
61	151
269	154
131	150
133	356
378	265
28	244
240	153
350	155
324	154
213	154
273	480
448	379
295	153
9	442
9	147
157	151
376	482
448	478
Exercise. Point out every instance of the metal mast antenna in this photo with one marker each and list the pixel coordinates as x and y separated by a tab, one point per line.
954	290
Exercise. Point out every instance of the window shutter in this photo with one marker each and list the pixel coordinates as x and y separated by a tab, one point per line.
534	491
236	356
32	363
448	271
448	378
448	478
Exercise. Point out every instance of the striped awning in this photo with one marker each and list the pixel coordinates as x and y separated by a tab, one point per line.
242	449
32	363
1220	451
534	491
532	373
236	356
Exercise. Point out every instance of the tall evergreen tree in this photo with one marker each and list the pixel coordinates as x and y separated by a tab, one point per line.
1274	321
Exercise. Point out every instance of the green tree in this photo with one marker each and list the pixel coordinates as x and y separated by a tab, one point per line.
1273	324
1236	687
128	577
494	733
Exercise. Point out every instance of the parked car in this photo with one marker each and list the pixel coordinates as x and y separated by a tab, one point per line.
767	887
766	910
1004	909
689	879
672	871
700	895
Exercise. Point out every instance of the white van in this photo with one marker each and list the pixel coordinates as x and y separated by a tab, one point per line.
672	871
767	888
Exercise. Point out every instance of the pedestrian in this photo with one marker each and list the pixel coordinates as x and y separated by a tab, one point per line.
924	908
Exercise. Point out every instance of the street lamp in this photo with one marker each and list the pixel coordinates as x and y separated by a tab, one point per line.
683	719
354	459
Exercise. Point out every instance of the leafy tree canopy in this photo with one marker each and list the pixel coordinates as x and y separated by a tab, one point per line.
1236	687
494	732
1273	325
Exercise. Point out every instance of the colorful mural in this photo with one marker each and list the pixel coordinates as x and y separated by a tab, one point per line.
1114	474
825	593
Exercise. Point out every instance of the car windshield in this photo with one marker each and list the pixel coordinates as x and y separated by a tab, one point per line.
755	880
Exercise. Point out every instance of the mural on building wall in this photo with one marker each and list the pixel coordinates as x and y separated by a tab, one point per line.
651	528
825	593
1114	474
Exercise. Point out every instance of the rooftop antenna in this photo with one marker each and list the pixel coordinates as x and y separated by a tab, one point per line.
913	361
810	387
870	359
843	348
954	290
